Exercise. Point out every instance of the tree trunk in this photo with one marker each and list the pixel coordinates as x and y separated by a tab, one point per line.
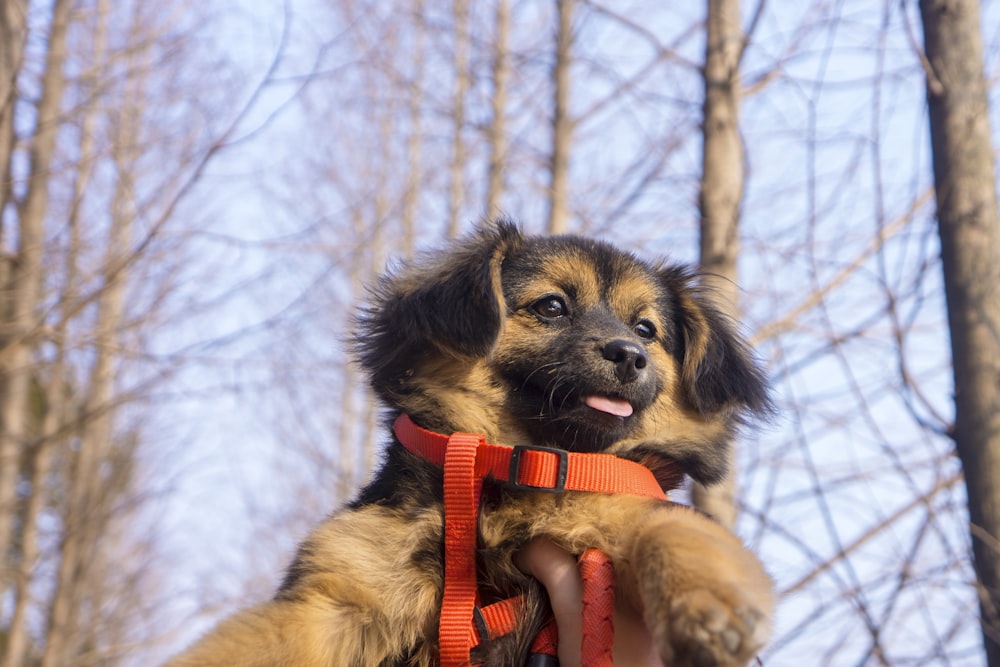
57	412
497	132
414	141
90	487
562	125
461	63
721	194
23	288
13	31
969	227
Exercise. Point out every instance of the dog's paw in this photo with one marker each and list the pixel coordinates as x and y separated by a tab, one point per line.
702	629
706	599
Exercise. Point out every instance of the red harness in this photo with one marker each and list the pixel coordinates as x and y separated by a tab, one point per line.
467	459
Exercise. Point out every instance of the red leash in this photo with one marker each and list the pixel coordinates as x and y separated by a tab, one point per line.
467	459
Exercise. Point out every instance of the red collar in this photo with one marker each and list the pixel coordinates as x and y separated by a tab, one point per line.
537	468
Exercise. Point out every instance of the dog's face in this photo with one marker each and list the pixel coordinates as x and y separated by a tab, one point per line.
563	342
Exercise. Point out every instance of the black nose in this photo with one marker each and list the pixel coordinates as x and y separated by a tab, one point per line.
628	358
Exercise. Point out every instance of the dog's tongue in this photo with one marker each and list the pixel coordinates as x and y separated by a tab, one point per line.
612	406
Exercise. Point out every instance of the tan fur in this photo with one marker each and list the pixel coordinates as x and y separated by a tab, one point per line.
369	599
361	592
569	270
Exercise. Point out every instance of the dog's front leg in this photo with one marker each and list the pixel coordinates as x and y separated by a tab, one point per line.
706	599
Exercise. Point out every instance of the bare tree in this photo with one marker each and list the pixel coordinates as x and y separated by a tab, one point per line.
91	492
721	197
562	122
458	149
88	224
12	33
414	141
22	291
496	132
969	227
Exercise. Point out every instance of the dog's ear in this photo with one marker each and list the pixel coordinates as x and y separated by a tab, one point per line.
449	302
718	368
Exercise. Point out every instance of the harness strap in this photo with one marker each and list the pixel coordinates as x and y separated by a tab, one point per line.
500	618
461	504
495	620
467	459
597	573
537	468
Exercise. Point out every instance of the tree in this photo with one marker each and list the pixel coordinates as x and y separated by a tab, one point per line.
562	122
969	228
497	131
22	292
93	174
458	145
721	197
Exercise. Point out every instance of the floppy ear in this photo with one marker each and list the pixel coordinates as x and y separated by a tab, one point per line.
718	368
450	302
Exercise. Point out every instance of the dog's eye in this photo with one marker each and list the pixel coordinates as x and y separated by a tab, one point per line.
549	307
645	329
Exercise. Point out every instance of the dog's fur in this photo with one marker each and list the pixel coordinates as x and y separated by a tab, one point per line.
506	335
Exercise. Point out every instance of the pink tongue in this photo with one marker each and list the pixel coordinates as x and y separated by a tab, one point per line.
609	405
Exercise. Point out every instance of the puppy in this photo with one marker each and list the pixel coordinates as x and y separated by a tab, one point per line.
560	342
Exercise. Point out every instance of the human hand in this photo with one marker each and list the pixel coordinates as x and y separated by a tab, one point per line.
557	570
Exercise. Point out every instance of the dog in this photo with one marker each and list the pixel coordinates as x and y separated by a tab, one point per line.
560	342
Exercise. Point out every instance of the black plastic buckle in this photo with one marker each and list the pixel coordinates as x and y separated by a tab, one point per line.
542	660
515	468
480	622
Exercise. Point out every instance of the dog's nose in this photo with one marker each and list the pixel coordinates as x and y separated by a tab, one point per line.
628	358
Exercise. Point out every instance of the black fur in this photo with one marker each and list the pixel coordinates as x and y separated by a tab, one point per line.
444	303
727	374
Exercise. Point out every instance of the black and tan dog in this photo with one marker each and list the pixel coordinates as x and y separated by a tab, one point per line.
554	341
